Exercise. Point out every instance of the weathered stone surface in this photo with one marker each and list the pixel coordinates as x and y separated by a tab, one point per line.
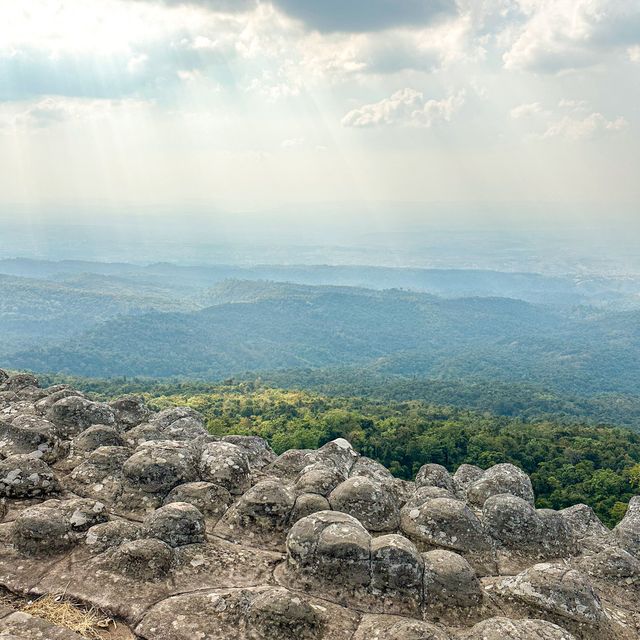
158	467
98	435
501	478
434	475
373	503
558	590
444	522
506	629
130	411
449	580
72	415
384	627
628	531
261	516
55	525
18	382
22	476
22	626
135	543
225	464
210	499
104	536
177	524
145	559
258	452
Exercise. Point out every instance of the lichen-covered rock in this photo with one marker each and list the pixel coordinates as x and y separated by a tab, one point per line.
628	531
369	468
18	382
444	522
501	478
559	590
393	628
99	435
258	452
144	559
338	453
210	499
22	476
583	522
159	466
172	414
320	478
262	515
289	464
613	563
111	534
30	434
53	395
465	476
449	580
374	504
308	503
130	411
54	526
330	547
278	614
225	464
506	629
512	521
434	475
72	415
397	571
177	524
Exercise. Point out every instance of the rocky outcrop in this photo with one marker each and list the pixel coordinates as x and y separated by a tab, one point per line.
184	535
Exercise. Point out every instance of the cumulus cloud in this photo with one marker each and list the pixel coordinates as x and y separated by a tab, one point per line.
571	120
562	35
405	107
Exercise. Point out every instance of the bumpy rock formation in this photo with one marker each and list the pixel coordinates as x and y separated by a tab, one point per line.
183	535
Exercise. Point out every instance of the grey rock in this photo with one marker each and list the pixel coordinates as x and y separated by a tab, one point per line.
434	475
22	476
29	434
465	476
111	534
55	526
130	411
501	478
289	464
444	522
172	414
320	478
627	532
339	453
583	522
449	580
612	563
505	629
177	524
159	466
210	499
278	614
145	559
394	628
53	395
308	503
512	521
258	451
18	382
72	415
329	547
373	503
99	435
559	590
225	464
261	515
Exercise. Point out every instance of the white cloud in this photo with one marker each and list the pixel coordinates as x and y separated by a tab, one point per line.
564	35
571	120
577	128
405	107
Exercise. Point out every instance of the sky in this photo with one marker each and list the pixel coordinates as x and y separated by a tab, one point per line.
291	105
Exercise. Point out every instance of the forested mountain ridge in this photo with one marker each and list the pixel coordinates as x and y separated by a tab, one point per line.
583	351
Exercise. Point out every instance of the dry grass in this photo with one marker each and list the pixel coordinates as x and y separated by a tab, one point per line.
89	623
